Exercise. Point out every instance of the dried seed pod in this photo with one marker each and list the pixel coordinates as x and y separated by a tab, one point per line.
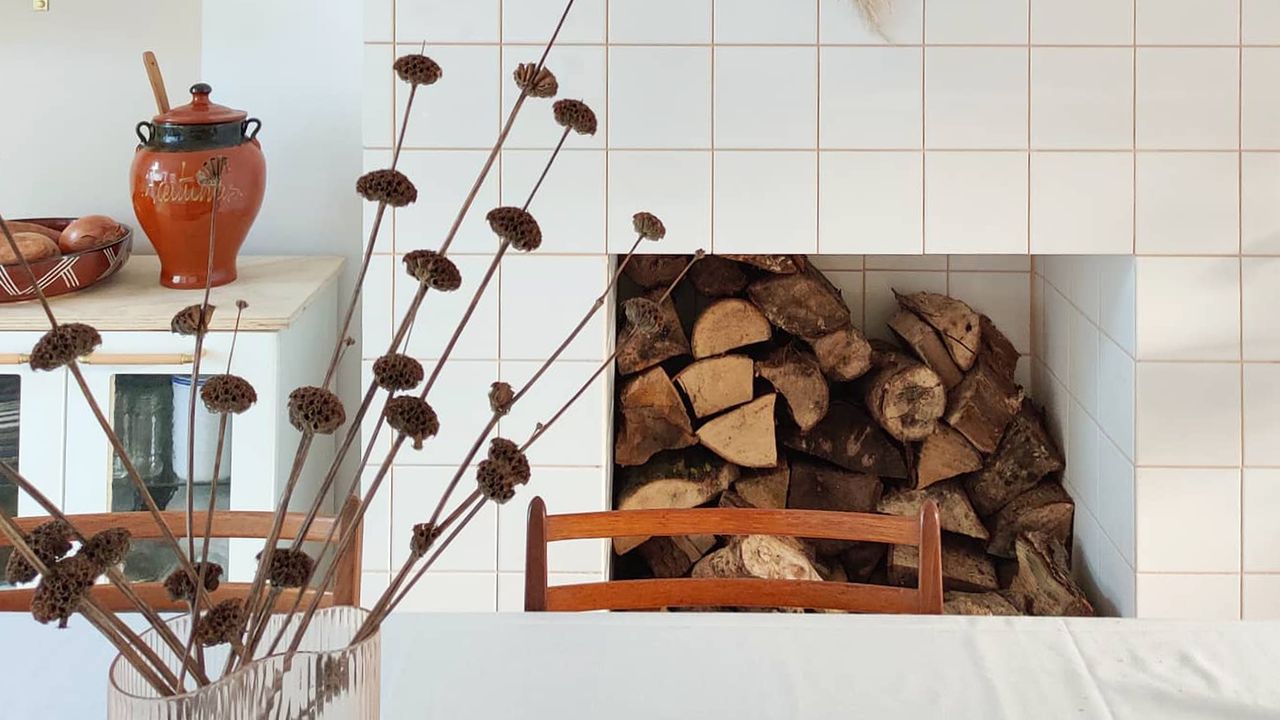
50	541
389	186
191	321
536	83
180	586
496	482
394	371
516	226
511	457
501	396
648	226
107	549
417	69
643	315
59	593
575	115
424	536
434	269
411	415
221	624
315	410
228	394
290	568
211	172
63	344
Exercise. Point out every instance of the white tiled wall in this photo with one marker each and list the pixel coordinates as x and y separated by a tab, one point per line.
1141	128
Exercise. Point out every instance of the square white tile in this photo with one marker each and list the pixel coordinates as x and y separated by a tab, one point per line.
879	303
372	585
753	215
1117	383
1082	98
675	186
462	109
416	492
1085	287
1188	414
1260	213
1082	453
1037	322
1261	533
570	204
1063	184
1005	297
1261	296
852	287
871	202
544	298
902	24
376	306
906	262
371	424
1117	300
445	21
977	98
1082	378
377	20
828	261
785	117
440	313
533	21
872	97
1188	22
1187	203
444	178
1259	101
766	21
1059	316
1261	597
659	21
377	96
1189	596
680	76
565	490
1116	497
453	592
1261	414
376	543
580	436
975	202
1175	324
976	22
1082	22
1261	22
992	263
460	398
1187	98
1188	520
580	70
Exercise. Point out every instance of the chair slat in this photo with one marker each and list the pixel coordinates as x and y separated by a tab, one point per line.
736	521
154	594
226	524
731	592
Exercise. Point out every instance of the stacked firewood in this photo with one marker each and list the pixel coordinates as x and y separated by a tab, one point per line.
772	398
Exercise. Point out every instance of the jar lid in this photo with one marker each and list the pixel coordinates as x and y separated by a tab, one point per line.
200	111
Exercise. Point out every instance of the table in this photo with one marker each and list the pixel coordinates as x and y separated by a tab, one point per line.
637	666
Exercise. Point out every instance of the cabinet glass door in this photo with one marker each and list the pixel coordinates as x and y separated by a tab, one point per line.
10	396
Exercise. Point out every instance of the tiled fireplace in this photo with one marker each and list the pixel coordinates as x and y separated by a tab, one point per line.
1099	177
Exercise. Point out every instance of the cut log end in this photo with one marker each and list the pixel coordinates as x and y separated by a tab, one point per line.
652	419
727	325
907	401
640	351
796	376
717	383
1044	578
843	355
958	324
745	435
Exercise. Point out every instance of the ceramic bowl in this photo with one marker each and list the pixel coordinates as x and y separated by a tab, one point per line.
66	273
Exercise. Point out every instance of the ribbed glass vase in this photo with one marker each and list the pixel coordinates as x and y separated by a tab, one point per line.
327	679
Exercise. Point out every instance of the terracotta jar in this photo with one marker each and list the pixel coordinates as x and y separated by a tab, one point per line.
172	206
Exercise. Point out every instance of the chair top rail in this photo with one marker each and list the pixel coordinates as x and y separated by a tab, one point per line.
823	524
226	524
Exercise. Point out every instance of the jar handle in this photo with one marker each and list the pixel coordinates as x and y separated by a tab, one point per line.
244	128
151	132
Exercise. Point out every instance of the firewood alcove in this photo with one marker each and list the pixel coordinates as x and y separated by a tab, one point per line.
758	390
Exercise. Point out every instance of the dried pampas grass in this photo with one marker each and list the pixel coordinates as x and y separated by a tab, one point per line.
875	12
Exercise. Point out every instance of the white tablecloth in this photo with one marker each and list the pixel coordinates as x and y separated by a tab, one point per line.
747	666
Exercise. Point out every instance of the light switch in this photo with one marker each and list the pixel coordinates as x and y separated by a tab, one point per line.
40	5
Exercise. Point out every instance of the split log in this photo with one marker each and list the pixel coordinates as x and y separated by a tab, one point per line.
638	351
717	383
1024	456
997	349
745	435
843	355
759	556
1046	508
765	487
848	437
907	399
982	405
683	479
672	557
988	603
819	486
653	419
957	323
730	499
956	513
796	376
655	271
717	277
925	343
805	303
964	567
943	455
1044	577
862	559
728	324
782	264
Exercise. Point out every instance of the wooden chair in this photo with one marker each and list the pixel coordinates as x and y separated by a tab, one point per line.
226	524
923	532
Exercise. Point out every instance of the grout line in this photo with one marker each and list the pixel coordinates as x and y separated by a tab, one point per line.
712	49
1240	269
872	45
1030	69
847	149
817	134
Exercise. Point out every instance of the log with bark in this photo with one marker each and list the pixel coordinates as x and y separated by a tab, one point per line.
744	435
943	455
652	419
765	487
717	383
987	603
782	264
997	349
716	277
925	342
680	479
1045	508
758	556
964	567
1044	578
861	560
982	405
957	323
655	271
907	399
728	324
639	351
843	355
1025	455
804	303
848	437
956	513
795	374
817	485
671	557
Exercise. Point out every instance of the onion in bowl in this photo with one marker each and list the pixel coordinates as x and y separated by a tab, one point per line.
89	232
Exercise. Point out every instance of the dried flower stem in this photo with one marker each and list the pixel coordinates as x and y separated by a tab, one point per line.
202	329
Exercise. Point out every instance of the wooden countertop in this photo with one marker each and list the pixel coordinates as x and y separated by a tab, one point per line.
277	289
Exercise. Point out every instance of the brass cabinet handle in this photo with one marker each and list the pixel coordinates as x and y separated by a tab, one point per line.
113	359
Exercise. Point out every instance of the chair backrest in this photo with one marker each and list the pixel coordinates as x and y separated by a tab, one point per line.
651	594
226	524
